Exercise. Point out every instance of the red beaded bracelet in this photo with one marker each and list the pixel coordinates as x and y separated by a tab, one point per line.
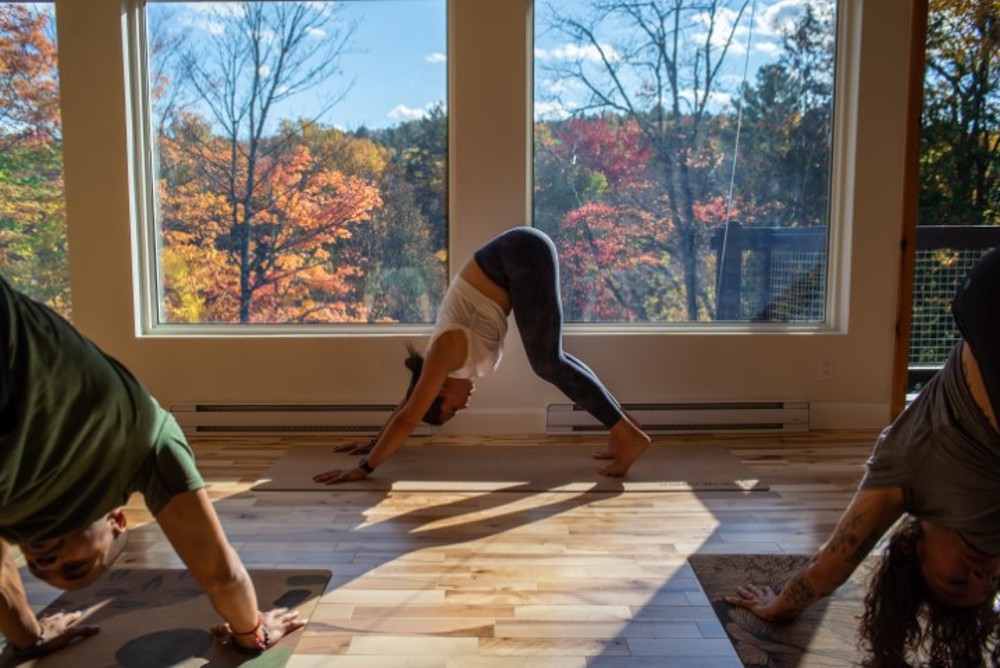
261	639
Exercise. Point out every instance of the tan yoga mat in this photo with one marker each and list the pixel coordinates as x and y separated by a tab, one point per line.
154	618
823	635
525	468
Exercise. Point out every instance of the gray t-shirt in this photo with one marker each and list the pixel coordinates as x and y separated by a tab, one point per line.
945	455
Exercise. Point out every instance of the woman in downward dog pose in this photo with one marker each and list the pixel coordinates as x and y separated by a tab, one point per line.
518	271
937	466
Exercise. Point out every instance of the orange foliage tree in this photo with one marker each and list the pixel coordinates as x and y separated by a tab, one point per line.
256	252
33	251
28	87
611	230
606	261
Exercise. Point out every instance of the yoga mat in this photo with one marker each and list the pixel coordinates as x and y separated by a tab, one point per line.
155	618
823	635
528	468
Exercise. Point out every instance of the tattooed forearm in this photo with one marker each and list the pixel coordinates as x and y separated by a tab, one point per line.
847	541
798	592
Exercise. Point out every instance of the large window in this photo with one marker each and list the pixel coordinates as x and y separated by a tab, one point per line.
296	160
33	246
682	157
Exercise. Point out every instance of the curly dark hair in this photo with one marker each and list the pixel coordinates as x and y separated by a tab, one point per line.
415	363
903	625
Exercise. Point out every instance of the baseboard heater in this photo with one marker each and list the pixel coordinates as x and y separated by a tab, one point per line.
222	418
690	417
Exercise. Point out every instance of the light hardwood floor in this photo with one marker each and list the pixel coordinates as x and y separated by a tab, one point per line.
513	579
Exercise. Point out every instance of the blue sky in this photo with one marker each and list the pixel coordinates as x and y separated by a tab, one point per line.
399	59
755	39
396	64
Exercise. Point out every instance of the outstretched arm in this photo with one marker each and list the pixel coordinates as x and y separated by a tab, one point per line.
869	515
18	623
192	527
447	353
364	447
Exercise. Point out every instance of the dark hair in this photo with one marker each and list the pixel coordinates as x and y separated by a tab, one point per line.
415	363
904	625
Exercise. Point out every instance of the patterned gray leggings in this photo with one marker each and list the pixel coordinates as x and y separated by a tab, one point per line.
523	261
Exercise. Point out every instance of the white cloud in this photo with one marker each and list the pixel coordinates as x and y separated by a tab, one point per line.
402	112
436	58
576	52
768	24
206	16
767	48
550	111
560	86
728	25
780	15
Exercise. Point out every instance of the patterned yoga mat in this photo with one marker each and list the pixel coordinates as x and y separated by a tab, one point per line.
155	618
824	635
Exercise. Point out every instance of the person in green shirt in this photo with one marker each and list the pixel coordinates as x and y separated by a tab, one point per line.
78	435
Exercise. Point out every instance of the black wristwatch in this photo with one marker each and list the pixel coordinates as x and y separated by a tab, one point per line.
365	466
29	652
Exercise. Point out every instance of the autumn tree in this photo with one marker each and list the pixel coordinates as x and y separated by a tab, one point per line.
604	253
780	140
594	175
33	247
250	196
782	173
419	153
658	64
404	278
402	269
274	266
959	159
960	152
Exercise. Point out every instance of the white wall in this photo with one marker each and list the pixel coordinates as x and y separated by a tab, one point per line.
489	111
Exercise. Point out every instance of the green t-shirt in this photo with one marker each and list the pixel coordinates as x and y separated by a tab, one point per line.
79	434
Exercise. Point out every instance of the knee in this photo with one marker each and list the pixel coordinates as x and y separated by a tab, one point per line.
546	367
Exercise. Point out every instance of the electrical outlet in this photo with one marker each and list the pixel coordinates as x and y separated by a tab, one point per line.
825	371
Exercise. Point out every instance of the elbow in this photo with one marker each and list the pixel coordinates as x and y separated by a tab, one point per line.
223	576
407	421
223	583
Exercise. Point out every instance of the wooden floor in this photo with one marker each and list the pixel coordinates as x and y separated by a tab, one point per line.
519	580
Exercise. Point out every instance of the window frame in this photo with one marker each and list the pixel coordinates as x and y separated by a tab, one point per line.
146	246
144	195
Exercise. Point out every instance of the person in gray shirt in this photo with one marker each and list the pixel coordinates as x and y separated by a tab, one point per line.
935	474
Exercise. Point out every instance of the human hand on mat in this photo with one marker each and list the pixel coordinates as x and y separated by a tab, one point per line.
757	599
58	630
333	476
274	625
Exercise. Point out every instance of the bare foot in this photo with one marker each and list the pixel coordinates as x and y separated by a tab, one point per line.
612	447
627	443
608	452
625	457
